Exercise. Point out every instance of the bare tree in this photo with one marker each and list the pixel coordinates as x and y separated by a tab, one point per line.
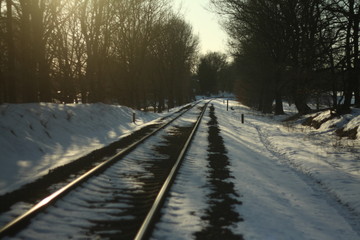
11	78
176	52
287	35
99	50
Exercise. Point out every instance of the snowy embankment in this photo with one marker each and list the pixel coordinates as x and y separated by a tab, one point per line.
292	177
35	138
283	174
318	153
331	160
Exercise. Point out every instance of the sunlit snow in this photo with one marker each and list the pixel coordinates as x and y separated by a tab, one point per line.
295	182
38	137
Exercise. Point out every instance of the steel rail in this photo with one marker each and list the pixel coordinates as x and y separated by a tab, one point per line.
148	223
23	220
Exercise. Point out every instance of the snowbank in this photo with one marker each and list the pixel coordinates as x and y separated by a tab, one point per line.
319	153
37	137
328	121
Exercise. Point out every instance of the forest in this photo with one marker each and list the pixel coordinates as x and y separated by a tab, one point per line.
142	53
136	53
296	50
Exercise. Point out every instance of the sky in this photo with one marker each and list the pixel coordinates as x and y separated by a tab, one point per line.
205	24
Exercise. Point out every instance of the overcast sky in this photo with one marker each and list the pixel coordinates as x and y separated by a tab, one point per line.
205	24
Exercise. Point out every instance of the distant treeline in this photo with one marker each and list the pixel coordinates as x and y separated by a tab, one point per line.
132	52
294	49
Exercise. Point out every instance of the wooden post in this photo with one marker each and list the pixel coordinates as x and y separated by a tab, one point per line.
134	118
227	105
242	118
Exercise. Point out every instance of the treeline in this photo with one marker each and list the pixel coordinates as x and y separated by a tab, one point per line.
215	74
294	50
132	52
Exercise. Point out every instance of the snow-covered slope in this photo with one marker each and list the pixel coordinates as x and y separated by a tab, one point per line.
289	185
37	137
332	161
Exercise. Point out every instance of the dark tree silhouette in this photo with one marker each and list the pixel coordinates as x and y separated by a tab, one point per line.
210	72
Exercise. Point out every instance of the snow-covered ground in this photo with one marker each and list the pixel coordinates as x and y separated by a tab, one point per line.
294	182
37	137
292	178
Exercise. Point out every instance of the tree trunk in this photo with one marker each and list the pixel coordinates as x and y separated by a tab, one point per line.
350	79
356	59
27	64
279	109
39	46
11	80
300	99
334	86
266	100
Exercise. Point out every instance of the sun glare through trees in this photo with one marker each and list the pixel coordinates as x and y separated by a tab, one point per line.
142	53
131	52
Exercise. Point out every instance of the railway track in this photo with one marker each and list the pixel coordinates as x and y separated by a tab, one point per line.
121	197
